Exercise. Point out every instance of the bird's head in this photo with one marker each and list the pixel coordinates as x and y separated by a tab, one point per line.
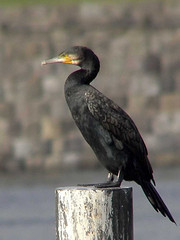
74	55
77	55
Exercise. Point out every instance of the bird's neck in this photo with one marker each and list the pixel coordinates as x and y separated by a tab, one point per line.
81	77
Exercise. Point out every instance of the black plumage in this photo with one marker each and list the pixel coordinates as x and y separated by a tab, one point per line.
107	128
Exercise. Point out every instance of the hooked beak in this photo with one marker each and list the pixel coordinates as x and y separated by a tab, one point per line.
62	58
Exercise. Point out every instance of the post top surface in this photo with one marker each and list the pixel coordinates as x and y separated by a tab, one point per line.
89	188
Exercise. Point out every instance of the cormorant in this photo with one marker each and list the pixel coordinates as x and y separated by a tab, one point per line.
107	128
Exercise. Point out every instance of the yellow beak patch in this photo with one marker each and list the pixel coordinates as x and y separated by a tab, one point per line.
63	58
66	59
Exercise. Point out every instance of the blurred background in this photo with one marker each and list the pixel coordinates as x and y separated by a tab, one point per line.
138	44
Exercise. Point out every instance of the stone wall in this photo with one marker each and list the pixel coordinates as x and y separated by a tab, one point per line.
138	46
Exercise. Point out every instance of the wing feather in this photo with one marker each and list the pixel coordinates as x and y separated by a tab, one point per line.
119	124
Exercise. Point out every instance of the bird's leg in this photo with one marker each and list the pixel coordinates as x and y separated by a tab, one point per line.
110	179
117	183
120	177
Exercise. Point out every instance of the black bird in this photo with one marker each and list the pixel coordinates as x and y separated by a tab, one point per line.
107	128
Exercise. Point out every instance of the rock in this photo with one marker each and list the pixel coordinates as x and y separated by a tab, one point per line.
170	102
23	148
166	123
50	129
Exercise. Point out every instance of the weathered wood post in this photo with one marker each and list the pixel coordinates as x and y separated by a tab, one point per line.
88	213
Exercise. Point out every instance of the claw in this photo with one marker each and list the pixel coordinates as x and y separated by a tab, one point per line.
108	184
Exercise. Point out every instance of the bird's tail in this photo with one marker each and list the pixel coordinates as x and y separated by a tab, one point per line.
155	199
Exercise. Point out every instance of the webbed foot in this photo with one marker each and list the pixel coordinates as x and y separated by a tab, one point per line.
110	182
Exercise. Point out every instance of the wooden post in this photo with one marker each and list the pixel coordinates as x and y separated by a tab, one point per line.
88	213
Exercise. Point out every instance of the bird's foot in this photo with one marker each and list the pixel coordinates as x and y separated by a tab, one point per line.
101	185
110	183
107	184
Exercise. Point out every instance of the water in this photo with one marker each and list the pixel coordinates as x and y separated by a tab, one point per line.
27	205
